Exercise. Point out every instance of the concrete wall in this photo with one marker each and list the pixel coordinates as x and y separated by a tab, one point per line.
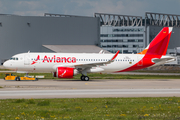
23	33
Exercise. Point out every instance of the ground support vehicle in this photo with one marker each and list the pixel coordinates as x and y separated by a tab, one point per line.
11	77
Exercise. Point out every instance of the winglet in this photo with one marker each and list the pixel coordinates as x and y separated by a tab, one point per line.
115	55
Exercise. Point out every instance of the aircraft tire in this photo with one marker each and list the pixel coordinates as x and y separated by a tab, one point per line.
82	78
86	78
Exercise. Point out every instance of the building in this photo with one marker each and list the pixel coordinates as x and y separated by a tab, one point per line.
20	34
118	32
131	34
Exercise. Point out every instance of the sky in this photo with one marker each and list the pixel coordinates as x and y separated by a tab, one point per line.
88	7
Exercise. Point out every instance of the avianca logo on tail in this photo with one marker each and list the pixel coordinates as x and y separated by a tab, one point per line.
55	59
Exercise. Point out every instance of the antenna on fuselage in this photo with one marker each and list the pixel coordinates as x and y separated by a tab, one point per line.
29	51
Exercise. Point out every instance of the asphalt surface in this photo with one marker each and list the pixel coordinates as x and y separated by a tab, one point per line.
89	89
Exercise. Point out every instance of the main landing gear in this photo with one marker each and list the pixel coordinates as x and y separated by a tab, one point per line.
84	78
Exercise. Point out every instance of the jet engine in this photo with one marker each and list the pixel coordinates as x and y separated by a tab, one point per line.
65	72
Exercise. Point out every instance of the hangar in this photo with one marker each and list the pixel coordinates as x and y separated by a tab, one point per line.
31	33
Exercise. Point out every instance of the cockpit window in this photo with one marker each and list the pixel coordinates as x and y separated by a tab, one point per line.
13	58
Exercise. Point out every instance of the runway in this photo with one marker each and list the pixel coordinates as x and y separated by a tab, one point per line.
89	89
89	93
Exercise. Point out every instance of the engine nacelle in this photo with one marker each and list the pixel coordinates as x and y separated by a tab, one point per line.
65	72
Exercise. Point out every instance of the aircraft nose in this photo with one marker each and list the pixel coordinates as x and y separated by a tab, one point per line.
6	64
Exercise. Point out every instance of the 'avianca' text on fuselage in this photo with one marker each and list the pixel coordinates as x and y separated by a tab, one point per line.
55	59
66	65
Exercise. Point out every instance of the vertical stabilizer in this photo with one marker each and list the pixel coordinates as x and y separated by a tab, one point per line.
159	44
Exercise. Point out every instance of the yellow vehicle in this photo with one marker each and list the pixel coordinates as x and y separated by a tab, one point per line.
10	76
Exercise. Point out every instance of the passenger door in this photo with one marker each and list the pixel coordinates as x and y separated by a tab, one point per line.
27	59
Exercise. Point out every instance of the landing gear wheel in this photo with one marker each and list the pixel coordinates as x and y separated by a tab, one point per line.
82	78
86	78
17	79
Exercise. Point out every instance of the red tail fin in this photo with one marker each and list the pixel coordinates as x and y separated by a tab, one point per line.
160	43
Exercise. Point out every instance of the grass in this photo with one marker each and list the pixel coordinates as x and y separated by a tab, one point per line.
44	103
91	108
5	70
103	76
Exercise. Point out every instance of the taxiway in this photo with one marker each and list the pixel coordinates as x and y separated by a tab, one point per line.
93	88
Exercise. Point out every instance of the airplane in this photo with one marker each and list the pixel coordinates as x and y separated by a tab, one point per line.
66	65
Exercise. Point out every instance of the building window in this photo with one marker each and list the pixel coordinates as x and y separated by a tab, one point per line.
120	40
136	46
121	35
141	40
131	40
128	30
125	46
119	46
125	51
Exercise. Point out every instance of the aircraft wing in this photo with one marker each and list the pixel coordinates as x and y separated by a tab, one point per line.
88	65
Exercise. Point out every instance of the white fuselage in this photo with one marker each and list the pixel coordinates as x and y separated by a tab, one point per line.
48	62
